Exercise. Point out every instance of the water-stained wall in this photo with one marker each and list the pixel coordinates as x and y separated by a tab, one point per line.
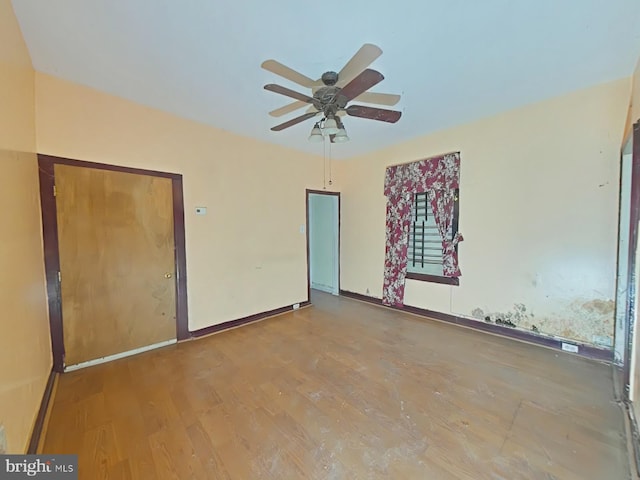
538	211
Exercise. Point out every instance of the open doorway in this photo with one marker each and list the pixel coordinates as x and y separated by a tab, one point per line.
627	334
323	241
623	323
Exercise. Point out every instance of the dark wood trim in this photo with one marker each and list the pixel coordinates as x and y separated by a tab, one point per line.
433	278
306	214
38	426
584	350
631	264
51	260
105	166
46	164
339	238
321	192
220	327
182	310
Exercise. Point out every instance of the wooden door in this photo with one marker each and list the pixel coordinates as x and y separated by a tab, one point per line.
117	261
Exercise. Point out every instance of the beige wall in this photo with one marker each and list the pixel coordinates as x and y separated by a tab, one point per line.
247	255
25	351
538	210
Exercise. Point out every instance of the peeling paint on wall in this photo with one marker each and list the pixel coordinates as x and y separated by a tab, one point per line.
582	320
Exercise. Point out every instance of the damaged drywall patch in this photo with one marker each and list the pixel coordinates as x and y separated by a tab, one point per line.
603	307
590	320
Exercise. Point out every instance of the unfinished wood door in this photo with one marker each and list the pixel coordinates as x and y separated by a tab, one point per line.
117	261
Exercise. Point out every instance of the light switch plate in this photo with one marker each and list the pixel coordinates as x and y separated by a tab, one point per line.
201	210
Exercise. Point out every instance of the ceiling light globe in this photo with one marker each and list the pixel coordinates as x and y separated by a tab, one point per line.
316	134
341	136
330	126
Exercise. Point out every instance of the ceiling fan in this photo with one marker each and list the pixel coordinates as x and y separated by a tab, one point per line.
331	93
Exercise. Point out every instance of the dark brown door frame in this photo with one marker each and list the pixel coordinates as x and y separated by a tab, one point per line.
321	192
46	164
631	265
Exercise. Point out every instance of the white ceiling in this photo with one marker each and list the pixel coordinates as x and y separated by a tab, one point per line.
453	61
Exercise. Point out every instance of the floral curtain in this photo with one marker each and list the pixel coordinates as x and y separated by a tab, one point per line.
439	177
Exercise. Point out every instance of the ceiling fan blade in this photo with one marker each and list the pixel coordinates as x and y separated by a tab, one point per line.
272	87
363	82
292	107
276	67
390	116
361	60
294	121
378	98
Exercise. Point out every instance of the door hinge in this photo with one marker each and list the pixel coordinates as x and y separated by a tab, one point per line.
55	191
59	278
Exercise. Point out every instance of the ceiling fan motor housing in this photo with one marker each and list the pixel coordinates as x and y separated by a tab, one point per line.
329	99
329	78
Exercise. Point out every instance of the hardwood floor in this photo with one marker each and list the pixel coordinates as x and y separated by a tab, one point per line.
343	390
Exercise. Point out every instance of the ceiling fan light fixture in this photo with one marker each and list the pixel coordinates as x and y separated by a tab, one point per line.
341	136
331	94
316	134
330	126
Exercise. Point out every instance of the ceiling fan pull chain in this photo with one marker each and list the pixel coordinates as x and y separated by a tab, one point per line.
324	163
330	180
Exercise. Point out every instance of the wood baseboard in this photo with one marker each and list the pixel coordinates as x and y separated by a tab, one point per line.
40	425
584	350
244	321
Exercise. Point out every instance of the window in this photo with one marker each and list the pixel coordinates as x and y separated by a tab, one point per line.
424	255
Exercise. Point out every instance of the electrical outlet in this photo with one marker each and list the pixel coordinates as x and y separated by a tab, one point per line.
569	347
3	441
